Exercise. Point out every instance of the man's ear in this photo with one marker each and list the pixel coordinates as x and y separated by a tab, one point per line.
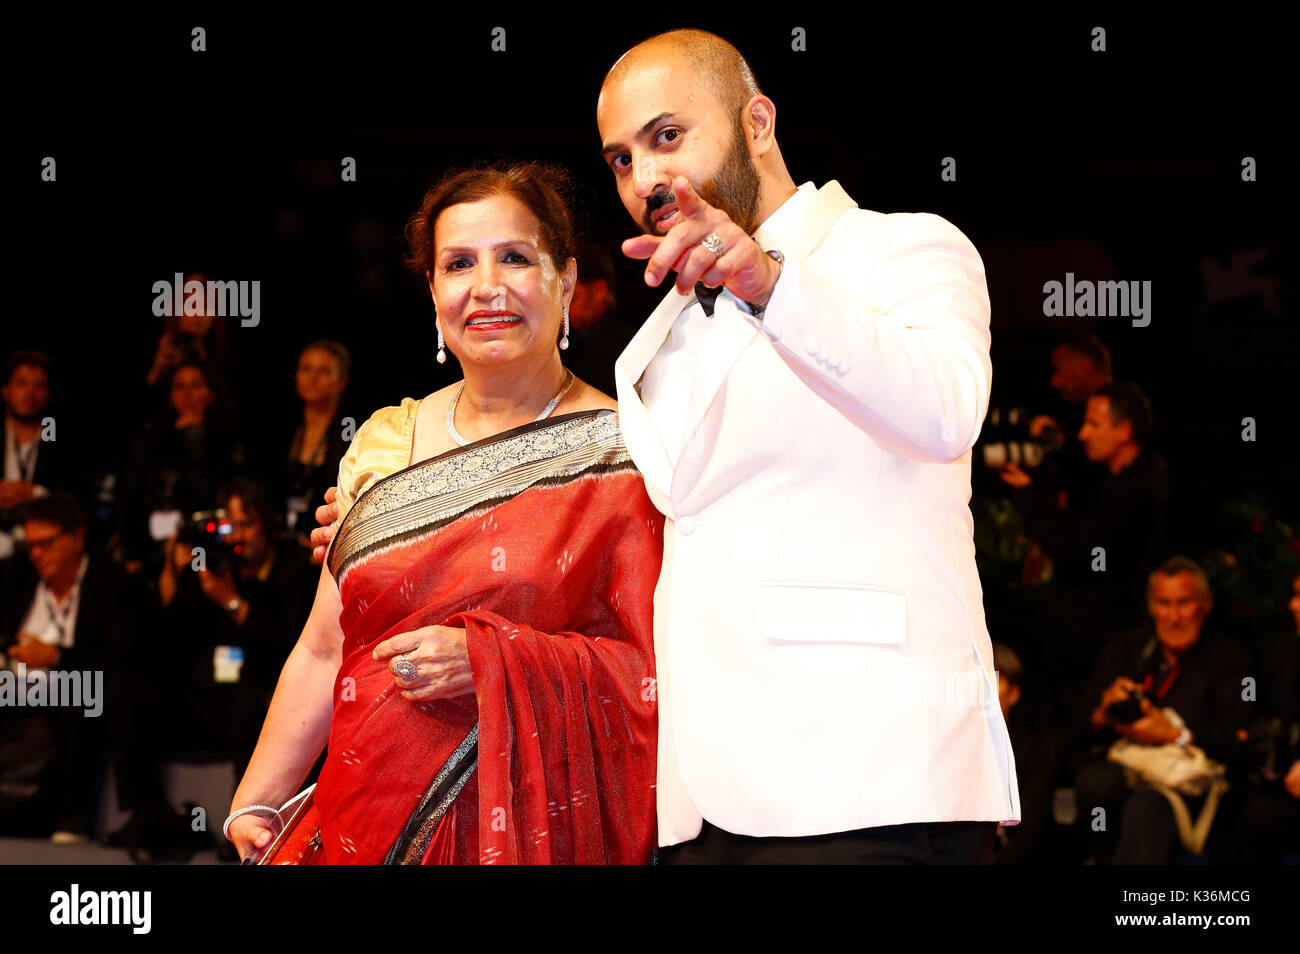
758	119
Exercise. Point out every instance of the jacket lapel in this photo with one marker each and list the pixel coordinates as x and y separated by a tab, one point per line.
723	345
639	434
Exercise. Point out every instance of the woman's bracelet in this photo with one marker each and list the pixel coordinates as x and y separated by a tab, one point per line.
225	829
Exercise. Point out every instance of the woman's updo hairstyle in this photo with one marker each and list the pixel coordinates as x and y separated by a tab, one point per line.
544	188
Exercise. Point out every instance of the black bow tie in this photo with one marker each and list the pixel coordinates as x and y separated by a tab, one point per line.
707	295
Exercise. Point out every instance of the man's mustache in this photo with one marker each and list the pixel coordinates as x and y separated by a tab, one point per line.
658	199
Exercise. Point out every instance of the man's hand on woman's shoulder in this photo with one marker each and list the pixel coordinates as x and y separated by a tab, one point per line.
326	515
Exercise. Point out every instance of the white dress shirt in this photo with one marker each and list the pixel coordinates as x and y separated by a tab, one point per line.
51	621
666	385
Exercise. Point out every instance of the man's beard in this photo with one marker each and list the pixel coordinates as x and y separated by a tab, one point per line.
733	189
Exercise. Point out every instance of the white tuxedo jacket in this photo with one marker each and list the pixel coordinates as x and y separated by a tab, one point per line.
822	659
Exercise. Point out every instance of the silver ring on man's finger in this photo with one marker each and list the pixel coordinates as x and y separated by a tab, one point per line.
713	243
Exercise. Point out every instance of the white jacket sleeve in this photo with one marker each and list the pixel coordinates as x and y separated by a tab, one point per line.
890	325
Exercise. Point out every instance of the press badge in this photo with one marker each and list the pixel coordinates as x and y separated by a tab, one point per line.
226	663
163	523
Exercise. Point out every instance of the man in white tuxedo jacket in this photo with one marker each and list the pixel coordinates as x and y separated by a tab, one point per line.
822	659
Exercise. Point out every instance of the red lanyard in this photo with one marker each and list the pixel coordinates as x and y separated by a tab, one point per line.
1164	686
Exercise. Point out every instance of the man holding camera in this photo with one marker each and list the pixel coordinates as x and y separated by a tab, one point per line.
233	602
1140	674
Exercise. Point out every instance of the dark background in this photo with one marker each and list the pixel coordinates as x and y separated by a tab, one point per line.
1121	165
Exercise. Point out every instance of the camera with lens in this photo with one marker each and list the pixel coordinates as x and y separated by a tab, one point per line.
210	530
1005	439
1126	710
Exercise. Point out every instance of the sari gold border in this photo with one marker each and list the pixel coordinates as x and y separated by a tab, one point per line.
428	495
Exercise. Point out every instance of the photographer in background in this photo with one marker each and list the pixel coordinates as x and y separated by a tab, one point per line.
232	601
1139	674
232	604
1013	437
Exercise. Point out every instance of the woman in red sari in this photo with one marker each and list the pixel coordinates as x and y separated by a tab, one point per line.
479	655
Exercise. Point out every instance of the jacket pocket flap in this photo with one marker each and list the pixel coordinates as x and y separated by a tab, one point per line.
831	612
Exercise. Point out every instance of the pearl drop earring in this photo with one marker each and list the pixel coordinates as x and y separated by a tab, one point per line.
564	342
442	355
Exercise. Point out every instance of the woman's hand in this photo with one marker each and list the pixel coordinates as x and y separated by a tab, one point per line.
250	834
441	659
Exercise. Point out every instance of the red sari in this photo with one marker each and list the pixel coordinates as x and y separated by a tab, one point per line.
542	544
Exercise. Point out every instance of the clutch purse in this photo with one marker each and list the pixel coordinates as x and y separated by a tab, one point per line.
297	838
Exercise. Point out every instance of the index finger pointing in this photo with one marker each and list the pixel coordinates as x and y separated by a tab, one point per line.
689	202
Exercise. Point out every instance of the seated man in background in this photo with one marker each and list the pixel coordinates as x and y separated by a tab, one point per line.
63	610
1199	675
1036	750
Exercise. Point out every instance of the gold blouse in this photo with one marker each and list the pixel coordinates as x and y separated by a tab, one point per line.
380	447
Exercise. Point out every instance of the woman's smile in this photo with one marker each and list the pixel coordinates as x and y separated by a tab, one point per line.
492	320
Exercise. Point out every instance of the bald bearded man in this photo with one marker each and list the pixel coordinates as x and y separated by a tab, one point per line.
802	406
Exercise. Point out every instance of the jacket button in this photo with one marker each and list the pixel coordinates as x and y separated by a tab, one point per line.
685	525
844	365
812	344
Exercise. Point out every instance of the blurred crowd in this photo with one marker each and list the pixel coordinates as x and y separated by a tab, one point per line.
184	575
1147	729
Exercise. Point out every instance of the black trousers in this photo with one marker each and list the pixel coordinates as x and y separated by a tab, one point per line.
1139	826
925	843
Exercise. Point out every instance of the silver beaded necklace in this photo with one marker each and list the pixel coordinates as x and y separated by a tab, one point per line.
546	411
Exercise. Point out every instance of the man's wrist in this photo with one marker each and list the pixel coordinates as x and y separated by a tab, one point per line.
756	308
